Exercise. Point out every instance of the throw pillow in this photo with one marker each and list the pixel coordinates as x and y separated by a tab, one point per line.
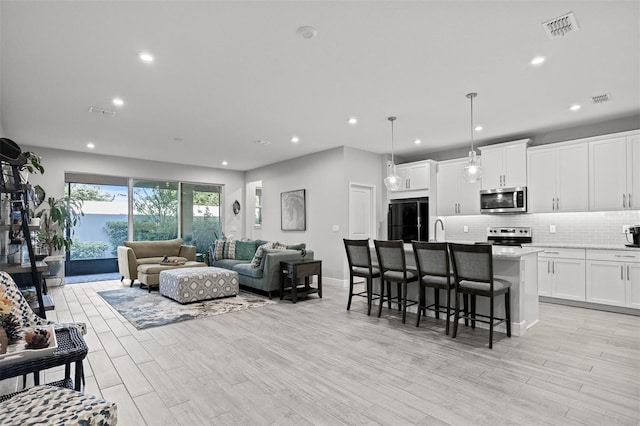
245	250
229	251
257	258
218	249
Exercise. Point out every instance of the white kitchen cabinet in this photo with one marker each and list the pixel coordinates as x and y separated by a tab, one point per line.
415	176
613	278
504	165
456	196
558	178
614	173
561	273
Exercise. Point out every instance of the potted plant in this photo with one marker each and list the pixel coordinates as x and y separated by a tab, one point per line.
56	216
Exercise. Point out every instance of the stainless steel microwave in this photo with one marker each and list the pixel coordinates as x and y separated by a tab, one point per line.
503	200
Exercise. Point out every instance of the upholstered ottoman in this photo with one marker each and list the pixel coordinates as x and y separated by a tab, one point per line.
186	285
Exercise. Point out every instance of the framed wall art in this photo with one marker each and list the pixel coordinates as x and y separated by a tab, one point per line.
293	211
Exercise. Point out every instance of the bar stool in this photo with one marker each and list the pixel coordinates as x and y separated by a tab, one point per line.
393	268
473	272
359	258
432	260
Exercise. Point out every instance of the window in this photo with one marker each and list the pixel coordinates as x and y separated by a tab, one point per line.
258	217
155	210
200	214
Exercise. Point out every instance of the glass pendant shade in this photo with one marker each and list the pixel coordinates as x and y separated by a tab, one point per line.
472	171
392	181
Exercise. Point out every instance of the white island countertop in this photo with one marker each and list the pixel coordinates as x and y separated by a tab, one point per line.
504	252
584	246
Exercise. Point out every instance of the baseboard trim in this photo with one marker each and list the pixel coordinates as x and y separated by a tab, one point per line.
589	305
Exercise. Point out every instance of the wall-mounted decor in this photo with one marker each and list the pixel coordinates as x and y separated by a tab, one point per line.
236	207
293	211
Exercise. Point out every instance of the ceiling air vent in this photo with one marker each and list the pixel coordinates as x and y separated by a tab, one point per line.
599	99
561	25
102	111
262	142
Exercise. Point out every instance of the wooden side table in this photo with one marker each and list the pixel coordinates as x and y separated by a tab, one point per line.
293	270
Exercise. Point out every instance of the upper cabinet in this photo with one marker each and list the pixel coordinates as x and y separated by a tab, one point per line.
558	178
455	195
504	165
415	176
614	173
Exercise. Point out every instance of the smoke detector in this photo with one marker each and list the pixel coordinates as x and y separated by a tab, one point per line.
561	25
599	99
307	32
102	111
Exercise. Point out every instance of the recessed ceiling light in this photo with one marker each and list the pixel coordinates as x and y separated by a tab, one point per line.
118	102
146	57
538	60
91	145
353	121
224	163
478	128
417	141
295	139
575	107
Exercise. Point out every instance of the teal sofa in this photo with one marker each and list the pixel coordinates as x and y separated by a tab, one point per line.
266	277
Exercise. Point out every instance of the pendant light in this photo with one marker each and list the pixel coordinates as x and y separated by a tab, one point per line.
472	171
392	181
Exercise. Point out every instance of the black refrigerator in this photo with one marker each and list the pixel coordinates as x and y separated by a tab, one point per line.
408	220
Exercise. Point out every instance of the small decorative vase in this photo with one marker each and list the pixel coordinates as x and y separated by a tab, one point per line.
4	341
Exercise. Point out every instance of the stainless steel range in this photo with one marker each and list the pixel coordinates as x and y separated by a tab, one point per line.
512	236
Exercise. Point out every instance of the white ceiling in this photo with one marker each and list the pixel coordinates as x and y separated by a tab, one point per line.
229	73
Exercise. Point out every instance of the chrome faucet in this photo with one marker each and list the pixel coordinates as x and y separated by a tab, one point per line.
435	228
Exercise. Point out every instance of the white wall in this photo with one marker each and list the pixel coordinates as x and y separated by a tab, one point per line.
58	162
325	176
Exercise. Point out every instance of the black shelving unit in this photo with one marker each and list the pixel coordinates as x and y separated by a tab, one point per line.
19	192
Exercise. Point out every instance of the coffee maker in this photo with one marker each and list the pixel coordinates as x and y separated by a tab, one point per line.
634	231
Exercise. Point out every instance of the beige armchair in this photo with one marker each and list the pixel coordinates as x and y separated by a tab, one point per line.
143	260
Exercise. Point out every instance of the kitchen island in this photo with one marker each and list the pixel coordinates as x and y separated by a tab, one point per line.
518	265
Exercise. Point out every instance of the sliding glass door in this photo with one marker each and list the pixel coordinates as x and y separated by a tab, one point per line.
102	228
120	209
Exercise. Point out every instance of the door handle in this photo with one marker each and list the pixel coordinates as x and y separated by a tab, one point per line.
548	266
553	266
624	201
558	203
553	203
621	273
628	273
625	255
629	200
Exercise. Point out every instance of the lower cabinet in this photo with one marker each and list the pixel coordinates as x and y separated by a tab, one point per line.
561	274
613	278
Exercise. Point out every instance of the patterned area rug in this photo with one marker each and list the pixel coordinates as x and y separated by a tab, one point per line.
145	310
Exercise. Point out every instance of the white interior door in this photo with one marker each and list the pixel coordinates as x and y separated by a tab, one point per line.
362	211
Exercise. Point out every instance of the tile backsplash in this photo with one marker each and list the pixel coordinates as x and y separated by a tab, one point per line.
575	228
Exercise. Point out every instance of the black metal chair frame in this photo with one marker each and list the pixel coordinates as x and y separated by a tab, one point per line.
401	298
368	276
491	293
424	281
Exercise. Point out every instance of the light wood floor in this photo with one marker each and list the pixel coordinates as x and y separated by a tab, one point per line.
317	363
